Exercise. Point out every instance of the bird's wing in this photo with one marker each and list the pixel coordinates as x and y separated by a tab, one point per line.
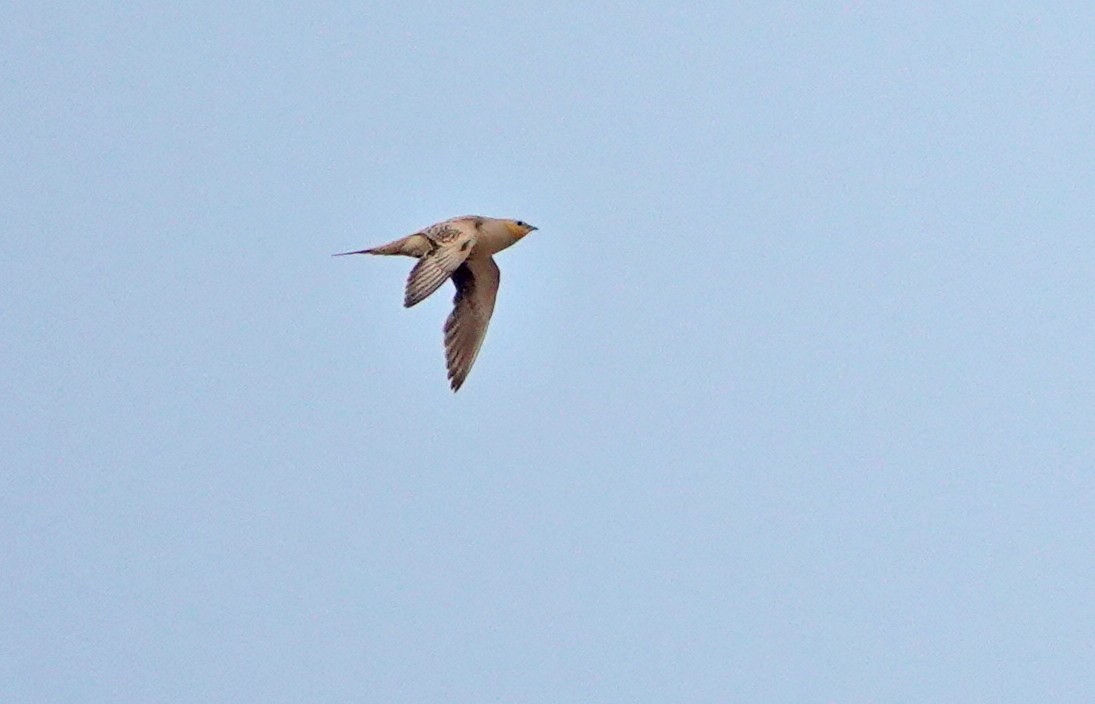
476	288
450	246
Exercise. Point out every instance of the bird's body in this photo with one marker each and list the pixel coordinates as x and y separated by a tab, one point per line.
460	249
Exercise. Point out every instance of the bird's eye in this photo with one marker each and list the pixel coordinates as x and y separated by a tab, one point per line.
522	223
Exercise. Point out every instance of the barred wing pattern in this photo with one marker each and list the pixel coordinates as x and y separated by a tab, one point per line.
450	246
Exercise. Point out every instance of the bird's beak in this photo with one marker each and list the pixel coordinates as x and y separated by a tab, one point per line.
532	228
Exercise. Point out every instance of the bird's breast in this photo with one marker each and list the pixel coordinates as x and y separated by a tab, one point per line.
491	241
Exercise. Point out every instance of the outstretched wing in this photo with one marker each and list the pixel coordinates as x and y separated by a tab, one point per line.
450	246
476	288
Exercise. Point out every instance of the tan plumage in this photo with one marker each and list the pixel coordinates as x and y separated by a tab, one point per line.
460	249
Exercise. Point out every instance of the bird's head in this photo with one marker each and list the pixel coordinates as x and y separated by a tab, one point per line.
518	228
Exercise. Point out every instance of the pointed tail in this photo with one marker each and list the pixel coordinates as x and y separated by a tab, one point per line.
408	246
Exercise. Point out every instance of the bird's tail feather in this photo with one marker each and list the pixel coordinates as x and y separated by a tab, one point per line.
415	245
406	246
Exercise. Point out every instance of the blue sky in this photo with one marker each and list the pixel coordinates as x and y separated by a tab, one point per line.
789	399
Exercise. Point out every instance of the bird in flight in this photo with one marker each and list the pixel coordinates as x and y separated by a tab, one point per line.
460	249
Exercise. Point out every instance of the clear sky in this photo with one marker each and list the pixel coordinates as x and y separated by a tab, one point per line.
790	398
